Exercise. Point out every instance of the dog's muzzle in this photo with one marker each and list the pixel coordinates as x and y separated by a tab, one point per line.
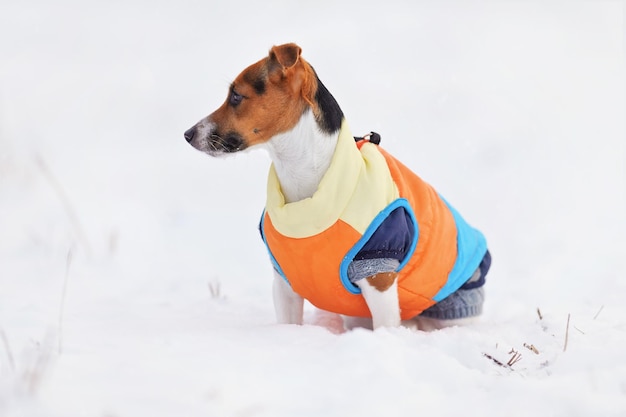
204	137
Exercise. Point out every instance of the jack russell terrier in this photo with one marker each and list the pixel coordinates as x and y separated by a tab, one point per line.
348	227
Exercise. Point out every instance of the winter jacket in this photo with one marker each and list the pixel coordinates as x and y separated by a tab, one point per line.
311	242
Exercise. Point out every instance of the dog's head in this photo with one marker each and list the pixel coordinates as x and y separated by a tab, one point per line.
266	99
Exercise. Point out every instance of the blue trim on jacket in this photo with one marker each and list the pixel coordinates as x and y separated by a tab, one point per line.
471	249
387	249
274	261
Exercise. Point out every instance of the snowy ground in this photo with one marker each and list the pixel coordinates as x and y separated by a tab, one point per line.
132	278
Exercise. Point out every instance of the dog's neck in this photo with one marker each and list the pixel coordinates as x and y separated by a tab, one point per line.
301	157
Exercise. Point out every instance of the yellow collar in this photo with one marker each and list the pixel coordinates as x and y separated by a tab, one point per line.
356	187
315	214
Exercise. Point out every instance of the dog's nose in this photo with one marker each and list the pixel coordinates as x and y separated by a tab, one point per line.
189	134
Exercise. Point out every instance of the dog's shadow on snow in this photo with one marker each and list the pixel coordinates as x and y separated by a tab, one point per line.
338	324
333	322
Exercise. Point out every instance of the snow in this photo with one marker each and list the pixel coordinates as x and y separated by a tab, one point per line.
132	278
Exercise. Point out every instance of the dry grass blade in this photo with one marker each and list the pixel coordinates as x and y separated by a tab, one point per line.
68	262
515	358
494	360
532	348
497	362
215	288
65	201
7	348
34	376
566	333
598	313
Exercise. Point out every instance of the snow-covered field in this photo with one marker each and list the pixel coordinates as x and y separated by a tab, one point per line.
132	278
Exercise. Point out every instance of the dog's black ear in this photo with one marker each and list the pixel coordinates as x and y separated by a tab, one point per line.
286	55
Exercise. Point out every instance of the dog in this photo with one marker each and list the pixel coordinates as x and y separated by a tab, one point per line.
347	226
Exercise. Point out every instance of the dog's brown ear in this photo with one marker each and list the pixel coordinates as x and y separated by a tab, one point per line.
283	60
286	55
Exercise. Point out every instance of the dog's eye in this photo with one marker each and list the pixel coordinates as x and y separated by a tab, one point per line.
235	98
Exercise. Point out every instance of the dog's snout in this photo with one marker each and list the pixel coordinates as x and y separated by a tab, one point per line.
190	133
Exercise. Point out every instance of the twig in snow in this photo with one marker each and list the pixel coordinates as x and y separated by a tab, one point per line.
7	347
566	333
532	348
539	314
598	313
67	205
68	262
507	365
515	358
494	360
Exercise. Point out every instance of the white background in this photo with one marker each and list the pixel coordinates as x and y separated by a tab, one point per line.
514	111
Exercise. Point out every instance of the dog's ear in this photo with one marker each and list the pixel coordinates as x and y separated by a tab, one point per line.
286	55
285	64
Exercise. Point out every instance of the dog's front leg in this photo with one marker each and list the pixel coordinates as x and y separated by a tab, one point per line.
381	295
288	305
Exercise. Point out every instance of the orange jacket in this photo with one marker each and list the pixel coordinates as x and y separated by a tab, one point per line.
314	261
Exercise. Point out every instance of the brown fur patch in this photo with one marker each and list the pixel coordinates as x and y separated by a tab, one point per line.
383	280
289	86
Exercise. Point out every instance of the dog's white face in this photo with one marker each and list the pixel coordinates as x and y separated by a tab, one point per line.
266	99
